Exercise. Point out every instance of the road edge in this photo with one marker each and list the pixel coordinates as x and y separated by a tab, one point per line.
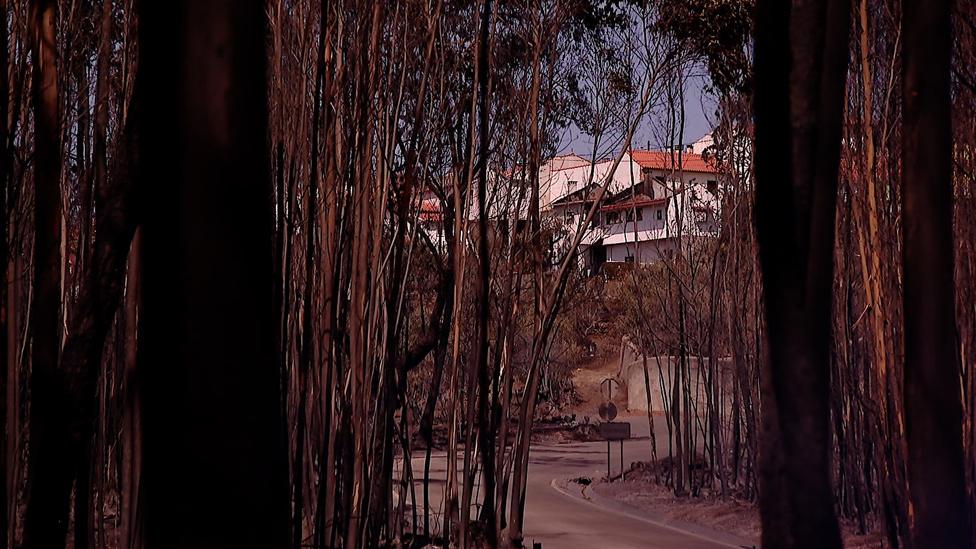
609	505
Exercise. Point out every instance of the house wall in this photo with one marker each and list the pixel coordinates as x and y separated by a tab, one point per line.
575	173
650	251
570	215
558	175
554	184
653	247
647	222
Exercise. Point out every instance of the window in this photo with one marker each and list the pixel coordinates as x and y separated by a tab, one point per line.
571	186
712	186
613	217
630	216
660	214
640	214
629	259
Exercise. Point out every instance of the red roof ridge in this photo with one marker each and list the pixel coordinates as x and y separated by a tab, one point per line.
672	160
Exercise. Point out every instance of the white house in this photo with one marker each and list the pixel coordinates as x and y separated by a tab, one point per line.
654	198
564	175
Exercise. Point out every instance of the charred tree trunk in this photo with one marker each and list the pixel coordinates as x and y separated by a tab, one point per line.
215	465
798	109
5	179
486	444
51	466
933	421
130	492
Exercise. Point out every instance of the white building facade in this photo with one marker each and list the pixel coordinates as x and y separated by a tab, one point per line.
655	200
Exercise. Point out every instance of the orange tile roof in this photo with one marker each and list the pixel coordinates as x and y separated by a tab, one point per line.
666	160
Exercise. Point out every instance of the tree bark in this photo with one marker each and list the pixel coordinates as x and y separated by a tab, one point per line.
798	105
215	460
5	180
933	419
49	495
486	445
130	491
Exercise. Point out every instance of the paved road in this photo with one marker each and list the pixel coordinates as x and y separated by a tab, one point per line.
562	522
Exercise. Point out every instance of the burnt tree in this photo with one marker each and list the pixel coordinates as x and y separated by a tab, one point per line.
214	466
801	57
49	494
933	411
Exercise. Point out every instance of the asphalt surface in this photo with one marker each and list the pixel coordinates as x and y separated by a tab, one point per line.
560	521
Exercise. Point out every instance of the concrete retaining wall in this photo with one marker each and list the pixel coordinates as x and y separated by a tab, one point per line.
664	368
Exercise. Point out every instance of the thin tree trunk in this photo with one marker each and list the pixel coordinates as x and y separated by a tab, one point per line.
485	444
678	463
6	179
650	411
130	492
52	466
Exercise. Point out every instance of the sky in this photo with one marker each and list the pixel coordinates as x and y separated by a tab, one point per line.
699	116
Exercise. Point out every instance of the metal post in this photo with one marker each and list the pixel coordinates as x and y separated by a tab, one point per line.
621	459
608	461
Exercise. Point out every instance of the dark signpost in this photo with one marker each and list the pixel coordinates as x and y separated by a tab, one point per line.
615	430
608	411
612	430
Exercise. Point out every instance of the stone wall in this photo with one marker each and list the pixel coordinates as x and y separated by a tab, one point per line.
631	377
